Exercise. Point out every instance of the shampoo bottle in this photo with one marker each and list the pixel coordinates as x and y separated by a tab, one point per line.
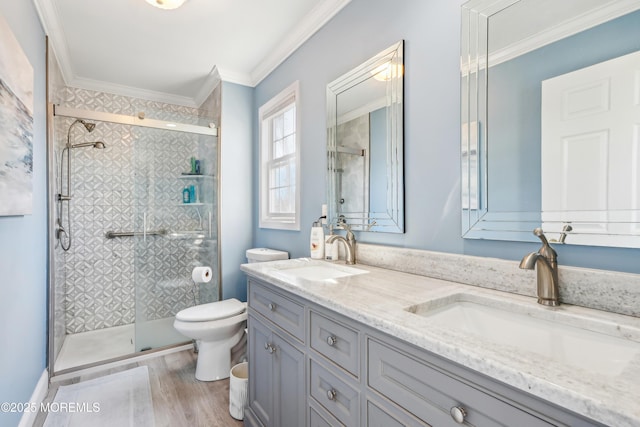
317	241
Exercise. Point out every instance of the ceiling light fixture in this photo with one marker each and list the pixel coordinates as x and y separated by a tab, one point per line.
166	4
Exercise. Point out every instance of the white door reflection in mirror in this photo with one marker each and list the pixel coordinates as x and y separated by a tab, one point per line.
591	153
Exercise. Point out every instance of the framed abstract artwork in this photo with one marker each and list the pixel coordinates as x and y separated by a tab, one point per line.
16	126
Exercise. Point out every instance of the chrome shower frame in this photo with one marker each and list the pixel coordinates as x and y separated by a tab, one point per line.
52	198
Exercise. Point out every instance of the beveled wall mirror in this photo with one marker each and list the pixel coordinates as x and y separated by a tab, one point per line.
551	120
365	144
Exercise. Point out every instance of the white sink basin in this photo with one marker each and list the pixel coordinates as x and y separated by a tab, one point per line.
574	340
319	271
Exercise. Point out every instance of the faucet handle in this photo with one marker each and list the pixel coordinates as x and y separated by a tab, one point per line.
350	236
343	223
546	250
538	232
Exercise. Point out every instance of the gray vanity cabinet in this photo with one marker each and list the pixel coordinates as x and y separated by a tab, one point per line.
277	389
310	366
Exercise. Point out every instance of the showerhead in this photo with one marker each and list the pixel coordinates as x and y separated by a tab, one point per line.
88	125
96	144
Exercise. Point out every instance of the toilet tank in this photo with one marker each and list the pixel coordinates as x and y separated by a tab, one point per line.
265	254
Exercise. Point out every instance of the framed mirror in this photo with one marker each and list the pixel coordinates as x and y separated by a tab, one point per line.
365	178
551	120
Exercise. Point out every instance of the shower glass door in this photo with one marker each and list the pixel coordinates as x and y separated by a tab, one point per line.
175	225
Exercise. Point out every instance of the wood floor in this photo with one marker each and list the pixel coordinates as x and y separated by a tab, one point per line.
178	398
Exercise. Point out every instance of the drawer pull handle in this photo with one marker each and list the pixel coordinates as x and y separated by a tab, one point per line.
458	414
331	394
269	348
272	306
331	340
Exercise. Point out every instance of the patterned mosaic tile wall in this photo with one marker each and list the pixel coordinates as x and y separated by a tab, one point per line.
354	178
133	182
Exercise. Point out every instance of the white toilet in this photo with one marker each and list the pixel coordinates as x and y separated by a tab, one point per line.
219	326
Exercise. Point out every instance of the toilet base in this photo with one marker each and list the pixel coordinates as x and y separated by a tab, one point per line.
214	358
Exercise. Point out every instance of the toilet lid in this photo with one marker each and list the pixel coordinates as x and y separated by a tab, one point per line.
212	311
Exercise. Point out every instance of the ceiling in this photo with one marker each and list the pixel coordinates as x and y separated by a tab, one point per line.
131	48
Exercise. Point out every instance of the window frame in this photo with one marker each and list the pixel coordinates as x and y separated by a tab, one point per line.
275	106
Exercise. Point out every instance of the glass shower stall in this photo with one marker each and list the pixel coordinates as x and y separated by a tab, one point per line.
134	208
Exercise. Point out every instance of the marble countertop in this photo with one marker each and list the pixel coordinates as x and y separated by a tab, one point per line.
380	298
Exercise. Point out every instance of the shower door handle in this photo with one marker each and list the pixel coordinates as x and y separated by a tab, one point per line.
114	234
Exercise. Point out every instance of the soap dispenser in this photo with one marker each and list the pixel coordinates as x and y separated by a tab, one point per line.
330	249
317	240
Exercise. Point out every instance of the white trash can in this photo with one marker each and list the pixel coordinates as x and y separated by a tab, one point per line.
238	390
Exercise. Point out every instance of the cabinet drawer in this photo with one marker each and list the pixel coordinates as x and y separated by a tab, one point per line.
336	342
287	314
376	417
335	395
318	417
430	394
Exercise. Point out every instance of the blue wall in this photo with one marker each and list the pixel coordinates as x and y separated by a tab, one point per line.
23	242
431	30
236	204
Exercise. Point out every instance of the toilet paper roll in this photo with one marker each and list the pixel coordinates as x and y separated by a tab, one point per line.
202	274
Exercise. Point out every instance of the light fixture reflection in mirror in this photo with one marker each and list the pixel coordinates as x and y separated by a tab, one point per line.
388	71
512	50
365	144
166	4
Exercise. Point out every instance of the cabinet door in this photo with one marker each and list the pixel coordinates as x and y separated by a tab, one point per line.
289	384
260	372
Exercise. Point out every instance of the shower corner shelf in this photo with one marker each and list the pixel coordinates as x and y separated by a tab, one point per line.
192	204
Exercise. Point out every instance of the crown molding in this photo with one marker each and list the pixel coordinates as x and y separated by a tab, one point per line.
307	27
558	32
235	77
565	29
50	19
374	105
209	84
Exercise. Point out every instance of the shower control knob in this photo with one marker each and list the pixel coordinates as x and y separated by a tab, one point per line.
458	414
272	306
331	394
331	340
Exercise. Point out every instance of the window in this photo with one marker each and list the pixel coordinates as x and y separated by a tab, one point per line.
280	161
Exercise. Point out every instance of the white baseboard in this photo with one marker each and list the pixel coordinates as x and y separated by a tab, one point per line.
39	394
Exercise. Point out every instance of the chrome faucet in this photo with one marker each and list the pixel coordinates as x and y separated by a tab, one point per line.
349	242
546	261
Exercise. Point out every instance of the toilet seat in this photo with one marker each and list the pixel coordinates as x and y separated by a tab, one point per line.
212	311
